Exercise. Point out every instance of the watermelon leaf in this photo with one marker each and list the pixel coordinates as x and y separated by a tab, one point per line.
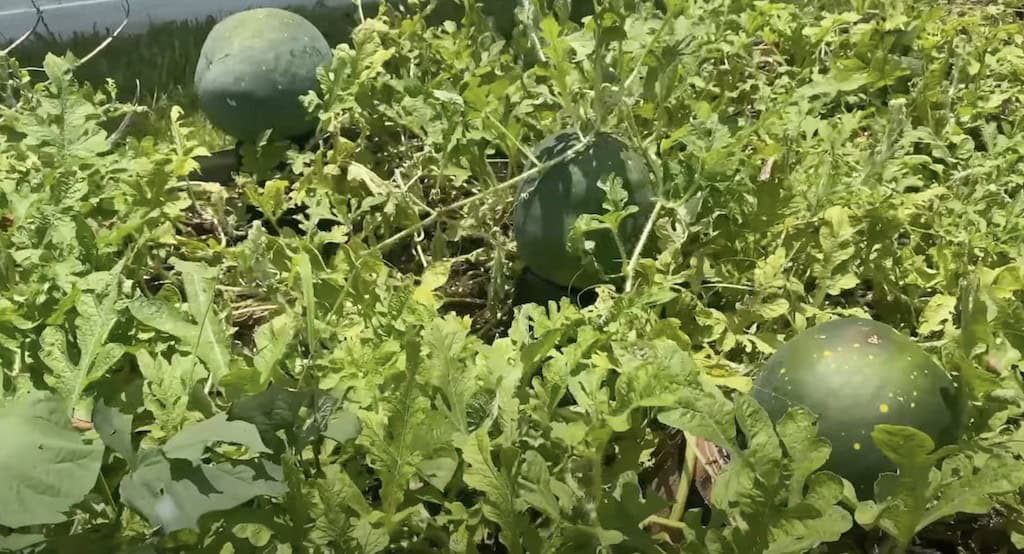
921	494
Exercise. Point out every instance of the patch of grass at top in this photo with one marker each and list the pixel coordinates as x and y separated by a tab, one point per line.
163	59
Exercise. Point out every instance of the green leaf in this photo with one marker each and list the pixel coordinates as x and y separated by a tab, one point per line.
936	314
335	498
433	278
270	198
818	521
174	496
446	369
204	341
651	375
806	451
369	539
46	466
303	265
760	462
53	344
497	487
115	429
273	340
539	489
626	509
211	344
93	325
192	441
279	410
168	386
18	542
901	499
438	471
343	427
974	488
919	494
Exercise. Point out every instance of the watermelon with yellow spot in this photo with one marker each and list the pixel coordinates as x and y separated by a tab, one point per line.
854	374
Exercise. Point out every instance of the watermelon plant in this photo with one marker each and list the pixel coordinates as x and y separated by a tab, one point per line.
253	69
502	14
855	374
339	349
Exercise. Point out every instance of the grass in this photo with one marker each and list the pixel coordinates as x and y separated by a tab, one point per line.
156	68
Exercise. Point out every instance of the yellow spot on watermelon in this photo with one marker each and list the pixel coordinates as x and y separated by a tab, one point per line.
826	353
913	404
883	407
856	345
856	446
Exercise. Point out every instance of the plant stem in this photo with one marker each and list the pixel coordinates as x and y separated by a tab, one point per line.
597	484
635	259
516	142
114	510
664	522
647	50
685	478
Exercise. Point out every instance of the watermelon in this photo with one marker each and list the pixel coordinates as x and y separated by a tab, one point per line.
253	68
549	204
533	289
854	374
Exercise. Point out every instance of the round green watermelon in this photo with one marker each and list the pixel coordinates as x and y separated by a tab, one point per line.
549	204
854	374
253	68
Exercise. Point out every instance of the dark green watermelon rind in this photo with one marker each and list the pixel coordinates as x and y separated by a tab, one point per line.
860	373
253	68
534	289
548	205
